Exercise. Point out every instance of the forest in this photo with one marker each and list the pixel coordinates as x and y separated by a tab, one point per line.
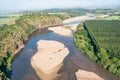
100	40
13	37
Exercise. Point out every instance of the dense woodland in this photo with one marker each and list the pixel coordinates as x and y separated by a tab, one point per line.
100	40
13	37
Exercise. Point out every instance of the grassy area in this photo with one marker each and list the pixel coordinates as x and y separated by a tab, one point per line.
8	20
68	27
110	18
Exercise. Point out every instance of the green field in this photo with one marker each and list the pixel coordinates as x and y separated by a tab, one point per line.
100	40
8	20
110	18
107	35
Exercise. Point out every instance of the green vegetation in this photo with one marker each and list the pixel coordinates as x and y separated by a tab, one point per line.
8	20
62	16
71	12
68	27
83	42
100	40
5	66
77	14
13	37
111	18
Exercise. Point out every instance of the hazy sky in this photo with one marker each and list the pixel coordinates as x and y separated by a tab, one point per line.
43	4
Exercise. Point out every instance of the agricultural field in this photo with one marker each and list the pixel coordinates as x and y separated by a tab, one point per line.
100	40
9	19
107	35
110	18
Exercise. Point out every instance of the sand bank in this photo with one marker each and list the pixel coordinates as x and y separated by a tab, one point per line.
61	31
79	18
87	75
49	59
74	26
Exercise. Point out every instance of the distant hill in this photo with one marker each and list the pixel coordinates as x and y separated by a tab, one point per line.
72	12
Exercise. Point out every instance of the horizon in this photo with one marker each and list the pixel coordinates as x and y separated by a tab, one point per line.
8	5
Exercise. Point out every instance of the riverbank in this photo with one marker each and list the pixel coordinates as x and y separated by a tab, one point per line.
75	19
87	75
61	31
79	18
49	59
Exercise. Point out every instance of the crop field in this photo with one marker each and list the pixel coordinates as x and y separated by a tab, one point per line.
107	35
100	40
9	19
110	18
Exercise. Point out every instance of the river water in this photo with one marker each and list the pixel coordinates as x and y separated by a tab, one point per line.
22	69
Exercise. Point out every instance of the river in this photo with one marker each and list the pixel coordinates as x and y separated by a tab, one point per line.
22	69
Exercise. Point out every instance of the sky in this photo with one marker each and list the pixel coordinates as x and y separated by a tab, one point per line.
45	4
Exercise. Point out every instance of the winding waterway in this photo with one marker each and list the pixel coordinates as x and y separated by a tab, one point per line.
22	69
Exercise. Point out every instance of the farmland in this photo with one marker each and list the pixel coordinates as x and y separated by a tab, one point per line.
100	40
9	19
110	18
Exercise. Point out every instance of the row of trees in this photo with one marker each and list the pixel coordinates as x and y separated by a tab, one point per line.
107	35
88	41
